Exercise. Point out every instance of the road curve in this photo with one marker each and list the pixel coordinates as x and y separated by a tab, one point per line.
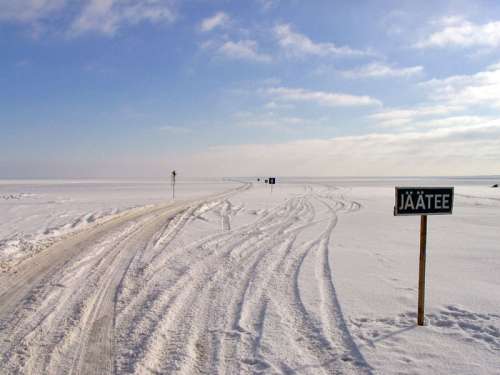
148	293
96	258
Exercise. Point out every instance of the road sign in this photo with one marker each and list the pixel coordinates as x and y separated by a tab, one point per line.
272	180
423	201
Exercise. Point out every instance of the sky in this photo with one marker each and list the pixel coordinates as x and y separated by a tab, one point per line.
136	88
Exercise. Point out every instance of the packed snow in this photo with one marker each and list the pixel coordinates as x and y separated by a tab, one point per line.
314	277
35	214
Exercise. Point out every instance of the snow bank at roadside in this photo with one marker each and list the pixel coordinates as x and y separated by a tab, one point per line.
24	245
36	214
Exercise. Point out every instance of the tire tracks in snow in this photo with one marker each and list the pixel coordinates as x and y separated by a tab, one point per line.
224	257
70	326
135	296
209	311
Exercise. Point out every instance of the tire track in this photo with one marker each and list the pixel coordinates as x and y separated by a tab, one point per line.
140	296
44	306
96	356
34	311
330	305
227	255
214	311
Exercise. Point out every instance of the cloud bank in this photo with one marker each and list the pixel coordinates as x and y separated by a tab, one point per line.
461	150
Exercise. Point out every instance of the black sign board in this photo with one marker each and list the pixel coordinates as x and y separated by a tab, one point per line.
266	181
272	180
423	201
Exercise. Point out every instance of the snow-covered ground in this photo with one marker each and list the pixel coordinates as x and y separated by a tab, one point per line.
316	277
35	214
375	262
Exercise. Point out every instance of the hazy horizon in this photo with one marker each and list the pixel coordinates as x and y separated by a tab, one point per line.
167	179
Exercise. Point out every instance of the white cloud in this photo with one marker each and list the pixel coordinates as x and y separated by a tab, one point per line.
28	10
219	19
377	70
455	121
328	99
457	102
300	45
107	16
456	31
281	123
243	50
403	116
270	120
442	151
175	129
272	105
100	16
480	89
268	4
468	95
449	21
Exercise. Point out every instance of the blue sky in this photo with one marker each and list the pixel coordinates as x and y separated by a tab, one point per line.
134	88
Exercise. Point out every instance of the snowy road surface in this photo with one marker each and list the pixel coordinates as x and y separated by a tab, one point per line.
213	285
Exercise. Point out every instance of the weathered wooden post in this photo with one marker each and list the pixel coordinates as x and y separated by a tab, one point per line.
421	270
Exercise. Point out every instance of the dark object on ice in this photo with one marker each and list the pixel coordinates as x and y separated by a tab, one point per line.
494	186
172	177
258	180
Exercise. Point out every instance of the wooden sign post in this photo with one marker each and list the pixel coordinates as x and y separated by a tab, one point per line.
423	201
421	270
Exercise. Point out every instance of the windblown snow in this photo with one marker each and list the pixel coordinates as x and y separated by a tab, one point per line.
315	277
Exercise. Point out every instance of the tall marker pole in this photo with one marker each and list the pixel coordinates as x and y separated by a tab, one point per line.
173	184
421	269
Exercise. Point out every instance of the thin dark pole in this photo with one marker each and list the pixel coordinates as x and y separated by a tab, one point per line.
173	175
421	270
